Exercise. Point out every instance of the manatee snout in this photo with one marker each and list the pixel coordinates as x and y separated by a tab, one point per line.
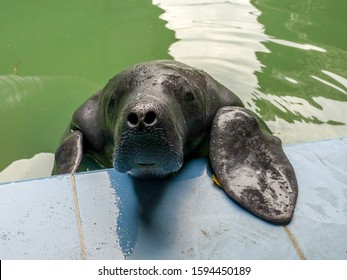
142	115
149	142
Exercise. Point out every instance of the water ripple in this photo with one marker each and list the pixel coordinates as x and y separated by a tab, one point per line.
264	52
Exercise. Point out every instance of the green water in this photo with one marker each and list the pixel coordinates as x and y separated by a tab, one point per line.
285	59
304	76
62	52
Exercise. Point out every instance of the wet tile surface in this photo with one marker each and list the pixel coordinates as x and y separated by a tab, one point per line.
184	217
99	212
193	219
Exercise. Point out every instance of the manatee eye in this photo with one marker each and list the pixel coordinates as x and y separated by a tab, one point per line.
189	95
112	102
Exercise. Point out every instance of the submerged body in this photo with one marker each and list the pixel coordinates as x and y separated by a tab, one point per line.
150	117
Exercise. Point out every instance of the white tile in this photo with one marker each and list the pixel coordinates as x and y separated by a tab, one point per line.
38	220
320	220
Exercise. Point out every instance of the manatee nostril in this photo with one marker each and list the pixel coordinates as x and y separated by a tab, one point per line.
133	119
150	117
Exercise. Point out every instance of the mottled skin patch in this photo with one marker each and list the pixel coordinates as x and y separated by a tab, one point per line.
252	167
152	116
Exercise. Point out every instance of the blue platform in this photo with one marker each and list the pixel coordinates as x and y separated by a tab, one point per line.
106	215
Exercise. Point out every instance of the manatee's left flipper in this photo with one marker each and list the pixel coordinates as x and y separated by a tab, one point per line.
69	154
251	166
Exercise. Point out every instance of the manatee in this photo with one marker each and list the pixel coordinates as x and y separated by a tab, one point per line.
150	118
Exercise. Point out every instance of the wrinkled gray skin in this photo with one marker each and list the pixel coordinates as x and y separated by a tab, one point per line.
152	116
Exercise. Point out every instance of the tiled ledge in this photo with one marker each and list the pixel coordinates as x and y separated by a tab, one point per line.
106	215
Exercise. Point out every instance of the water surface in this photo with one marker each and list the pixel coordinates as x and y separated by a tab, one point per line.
285	59
54	55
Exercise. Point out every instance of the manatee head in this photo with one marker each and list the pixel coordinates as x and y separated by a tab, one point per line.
149	137
155	112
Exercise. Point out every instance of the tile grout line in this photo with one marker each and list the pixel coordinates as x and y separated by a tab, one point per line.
80	231
292	239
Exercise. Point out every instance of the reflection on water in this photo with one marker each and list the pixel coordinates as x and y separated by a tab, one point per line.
14	89
305	47
220	37
273	54
35	110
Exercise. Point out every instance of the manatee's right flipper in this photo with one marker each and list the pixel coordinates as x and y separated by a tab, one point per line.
69	154
251	166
